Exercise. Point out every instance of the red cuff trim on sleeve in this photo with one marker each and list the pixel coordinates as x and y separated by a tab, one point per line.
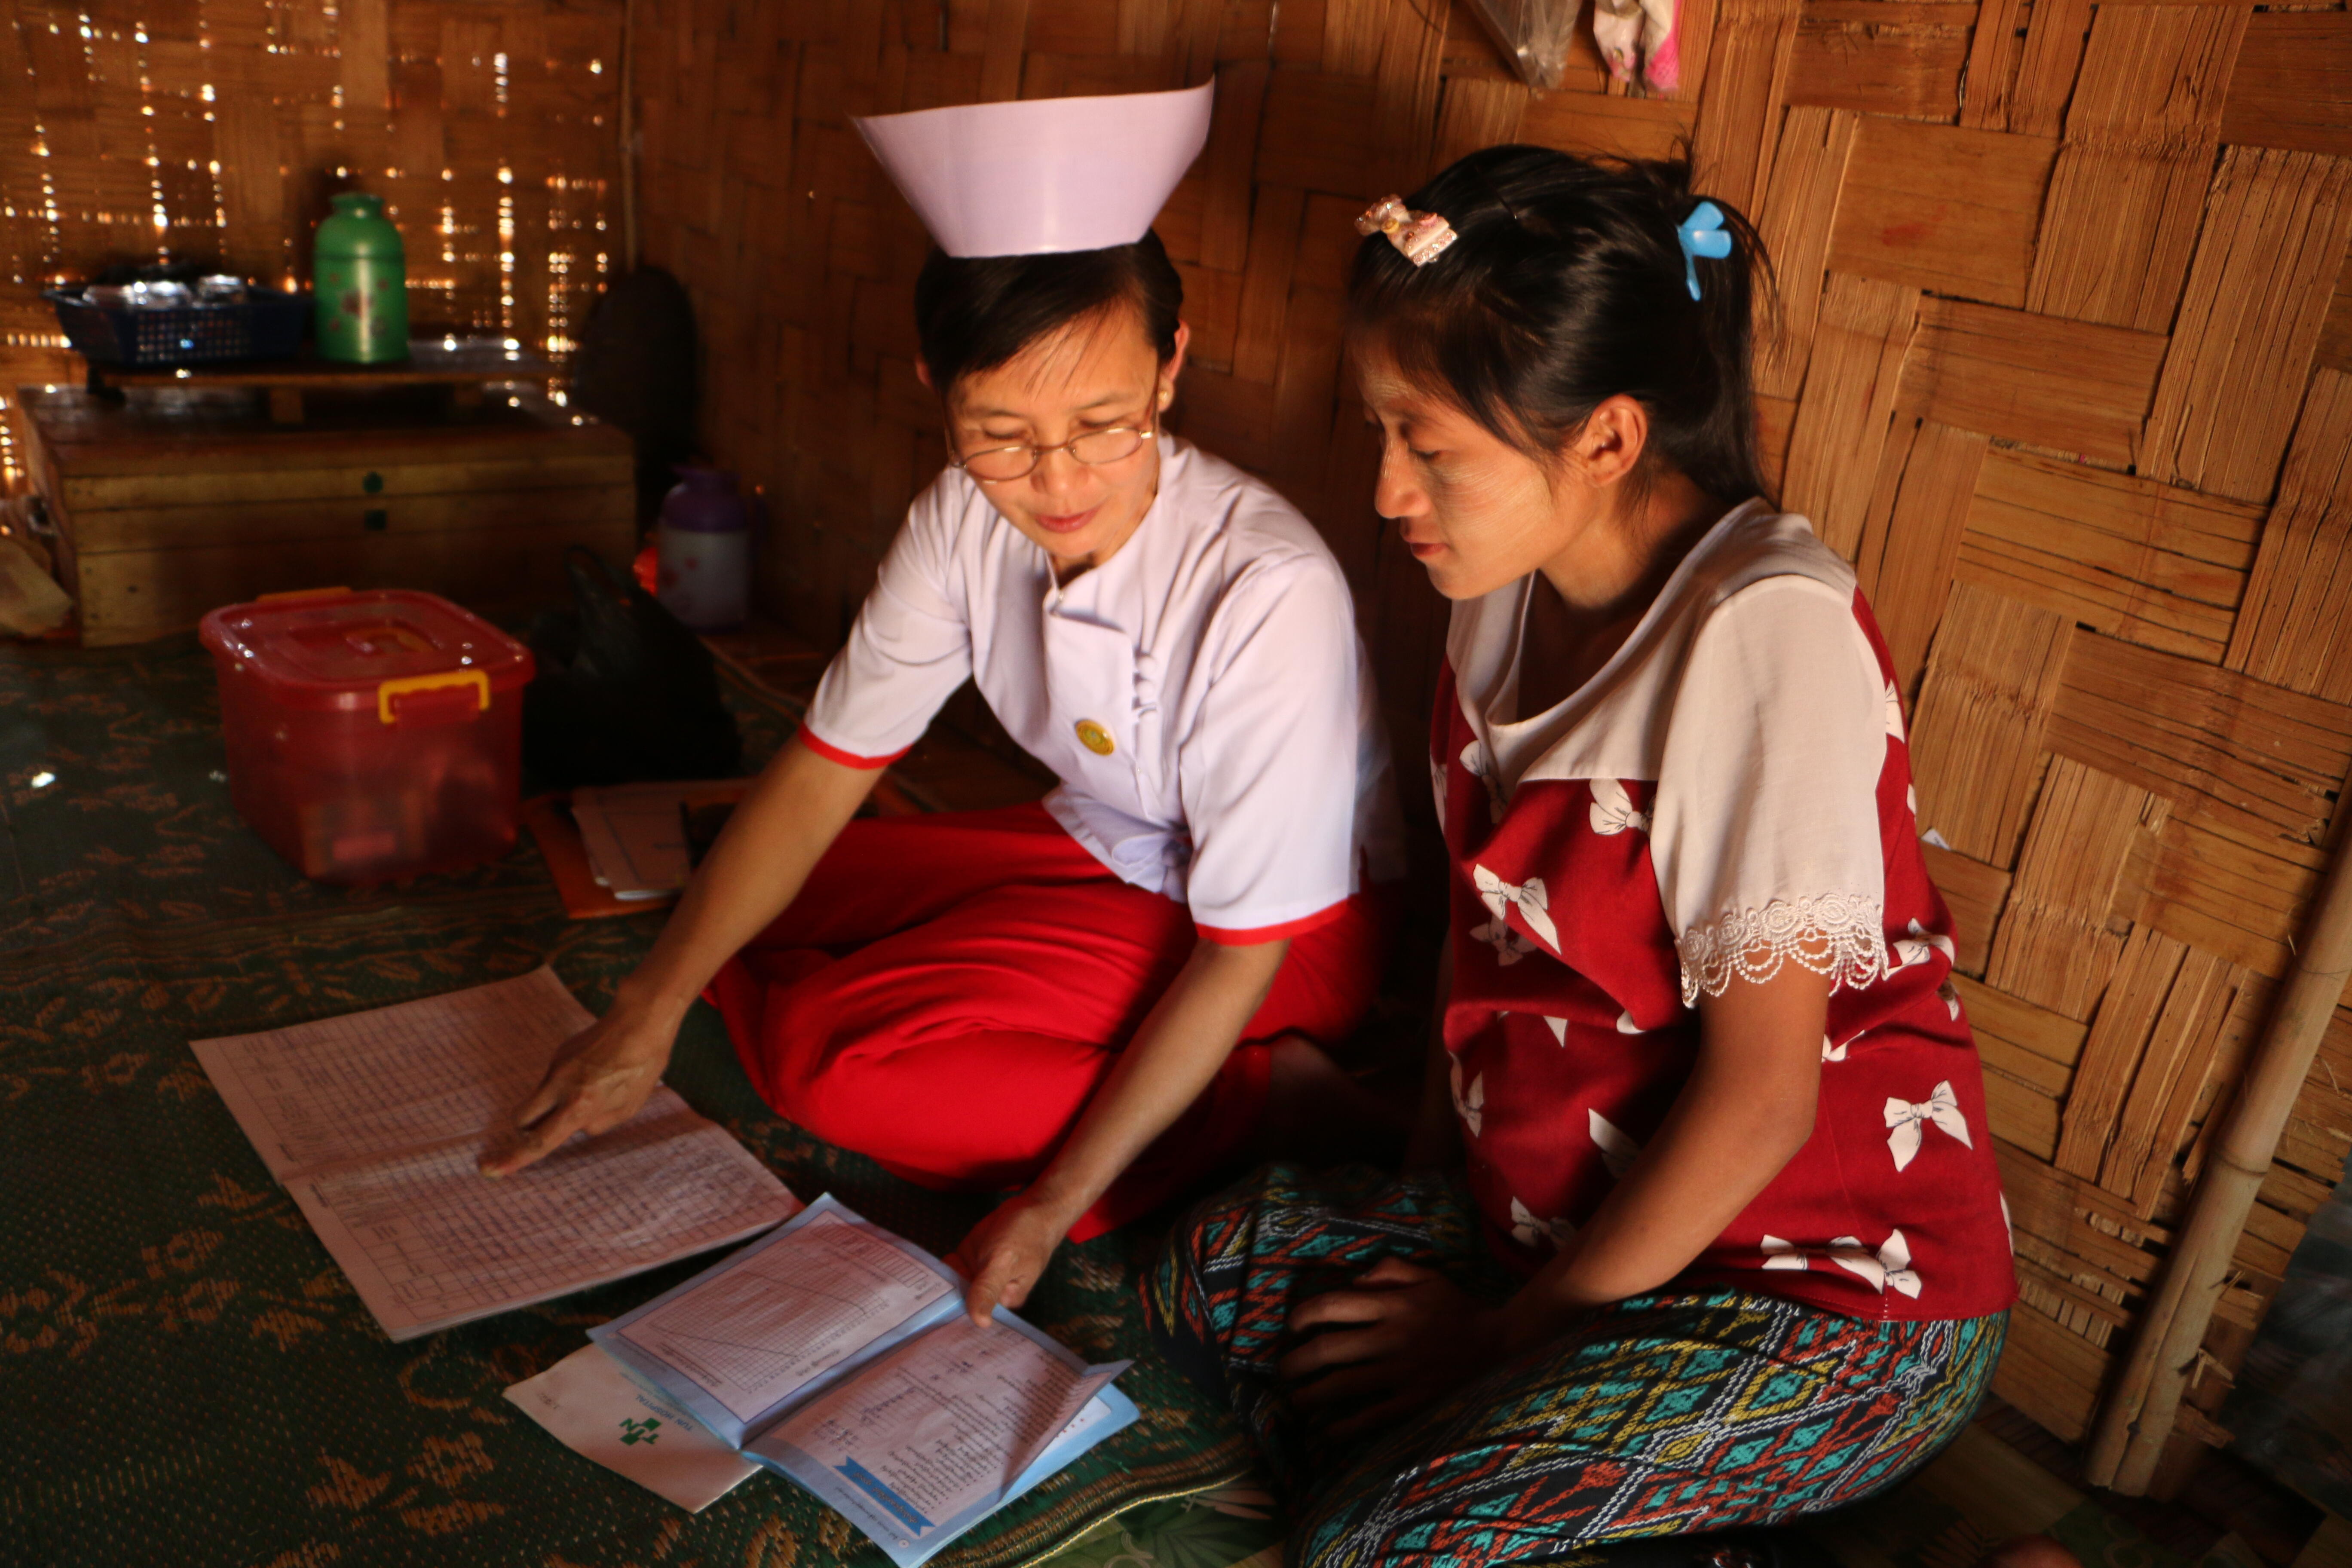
832	753
1231	936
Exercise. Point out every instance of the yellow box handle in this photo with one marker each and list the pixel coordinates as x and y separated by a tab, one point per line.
389	690
300	593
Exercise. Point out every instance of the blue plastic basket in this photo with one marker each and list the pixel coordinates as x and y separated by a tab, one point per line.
266	325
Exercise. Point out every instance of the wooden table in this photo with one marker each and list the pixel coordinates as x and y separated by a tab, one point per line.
462	370
171	500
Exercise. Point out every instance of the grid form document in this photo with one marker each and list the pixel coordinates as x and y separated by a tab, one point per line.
760	1333
374	1121
840	1354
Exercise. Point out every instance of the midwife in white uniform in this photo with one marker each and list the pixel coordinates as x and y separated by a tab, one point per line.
1107	998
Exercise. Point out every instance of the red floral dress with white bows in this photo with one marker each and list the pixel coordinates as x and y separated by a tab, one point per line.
1731	792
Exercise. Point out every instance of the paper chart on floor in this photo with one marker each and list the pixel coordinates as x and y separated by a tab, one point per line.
391	1080
375	1122
428	1241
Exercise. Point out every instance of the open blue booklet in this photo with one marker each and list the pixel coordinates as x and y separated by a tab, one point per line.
840	1354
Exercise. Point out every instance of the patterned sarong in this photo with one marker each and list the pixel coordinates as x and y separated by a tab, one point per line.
1666	1413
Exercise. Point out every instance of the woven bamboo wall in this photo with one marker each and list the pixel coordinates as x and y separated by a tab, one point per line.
2064	369
219	128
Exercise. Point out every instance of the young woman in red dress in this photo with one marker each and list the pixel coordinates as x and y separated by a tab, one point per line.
1703	1225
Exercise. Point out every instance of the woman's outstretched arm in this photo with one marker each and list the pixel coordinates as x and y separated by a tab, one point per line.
795	809
1185	1040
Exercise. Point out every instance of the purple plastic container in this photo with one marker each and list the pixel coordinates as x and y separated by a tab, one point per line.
704	549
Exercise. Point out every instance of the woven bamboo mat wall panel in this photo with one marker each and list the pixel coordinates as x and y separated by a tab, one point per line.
219	128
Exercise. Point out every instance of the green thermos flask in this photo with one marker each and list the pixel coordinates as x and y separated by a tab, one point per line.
361	280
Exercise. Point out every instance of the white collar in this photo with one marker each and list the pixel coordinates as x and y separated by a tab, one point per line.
1610	726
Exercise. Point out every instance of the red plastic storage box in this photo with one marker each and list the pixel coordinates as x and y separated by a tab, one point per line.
371	735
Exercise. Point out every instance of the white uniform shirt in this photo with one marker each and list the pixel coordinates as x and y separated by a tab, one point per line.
1246	773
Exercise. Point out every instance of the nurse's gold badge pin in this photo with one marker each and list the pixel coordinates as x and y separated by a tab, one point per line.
1095	738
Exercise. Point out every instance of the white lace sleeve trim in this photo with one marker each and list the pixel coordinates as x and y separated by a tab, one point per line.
1841	935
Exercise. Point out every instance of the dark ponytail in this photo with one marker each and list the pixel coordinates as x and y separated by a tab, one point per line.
1565	286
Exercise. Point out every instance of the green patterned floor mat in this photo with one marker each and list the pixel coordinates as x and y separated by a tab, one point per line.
186	1376
1221	1527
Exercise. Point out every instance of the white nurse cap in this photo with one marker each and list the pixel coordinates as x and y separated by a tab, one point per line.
1045	175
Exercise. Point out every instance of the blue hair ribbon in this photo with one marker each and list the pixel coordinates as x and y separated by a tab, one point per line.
1702	234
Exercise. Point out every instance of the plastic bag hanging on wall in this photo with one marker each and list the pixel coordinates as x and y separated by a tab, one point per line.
1535	36
1636	37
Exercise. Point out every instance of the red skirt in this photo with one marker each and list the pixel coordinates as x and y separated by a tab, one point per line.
948	991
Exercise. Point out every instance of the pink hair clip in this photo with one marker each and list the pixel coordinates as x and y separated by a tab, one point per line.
1420	238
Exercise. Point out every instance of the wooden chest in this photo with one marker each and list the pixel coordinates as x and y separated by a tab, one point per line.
173	503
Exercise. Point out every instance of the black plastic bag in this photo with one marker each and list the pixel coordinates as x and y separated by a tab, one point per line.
623	690
635	368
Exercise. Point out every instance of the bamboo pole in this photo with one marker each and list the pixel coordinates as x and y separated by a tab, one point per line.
2138	1416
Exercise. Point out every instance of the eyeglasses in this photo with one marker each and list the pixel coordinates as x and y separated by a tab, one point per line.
998	465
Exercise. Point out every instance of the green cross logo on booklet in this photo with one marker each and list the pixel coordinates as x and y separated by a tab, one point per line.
641	1431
